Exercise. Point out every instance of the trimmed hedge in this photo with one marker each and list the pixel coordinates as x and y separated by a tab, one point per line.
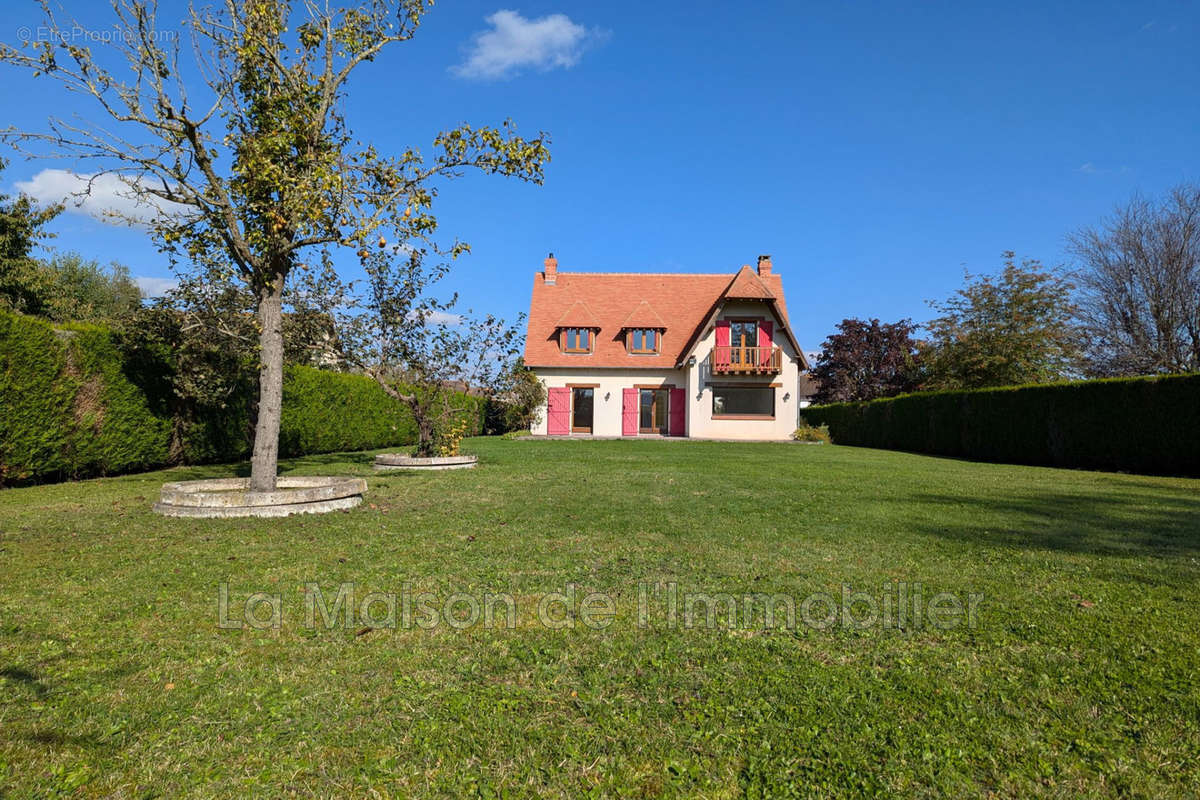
71	406
318	405
1149	425
35	400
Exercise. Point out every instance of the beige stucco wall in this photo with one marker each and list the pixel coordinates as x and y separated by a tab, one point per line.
606	410
606	419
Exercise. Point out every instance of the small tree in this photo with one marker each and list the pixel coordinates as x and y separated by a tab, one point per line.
22	226
1139	281
260	173
76	288
421	352
1011	328
865	360
520	402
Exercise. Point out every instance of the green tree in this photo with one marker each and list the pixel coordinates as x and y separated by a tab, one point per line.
74	288
256	172
1011	328
22	227
518	403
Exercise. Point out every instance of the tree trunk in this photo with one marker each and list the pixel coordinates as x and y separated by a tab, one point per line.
264	461
424	438
423	418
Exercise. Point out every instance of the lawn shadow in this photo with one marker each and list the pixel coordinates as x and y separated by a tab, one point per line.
324	459
24	678
1122	523
241	469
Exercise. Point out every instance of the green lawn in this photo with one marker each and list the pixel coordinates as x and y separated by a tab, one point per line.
1079	677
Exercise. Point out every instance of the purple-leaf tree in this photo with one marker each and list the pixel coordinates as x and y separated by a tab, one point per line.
866	359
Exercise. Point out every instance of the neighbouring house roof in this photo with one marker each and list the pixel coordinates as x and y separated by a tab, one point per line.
683	304
808	385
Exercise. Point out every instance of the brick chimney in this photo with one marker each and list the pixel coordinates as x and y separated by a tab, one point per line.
551	274
764	265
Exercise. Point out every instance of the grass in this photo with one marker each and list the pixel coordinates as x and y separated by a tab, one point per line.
1078	678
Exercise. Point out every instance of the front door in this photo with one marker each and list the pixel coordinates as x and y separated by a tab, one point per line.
652	411
581	409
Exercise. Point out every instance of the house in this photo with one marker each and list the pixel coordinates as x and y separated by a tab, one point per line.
631	354
808	389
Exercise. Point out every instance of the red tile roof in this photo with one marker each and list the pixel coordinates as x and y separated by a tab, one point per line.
643	316
578	316
749	286
683	304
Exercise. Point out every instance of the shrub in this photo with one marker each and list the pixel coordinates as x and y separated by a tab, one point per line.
449	436
1149	425
521	405
809	433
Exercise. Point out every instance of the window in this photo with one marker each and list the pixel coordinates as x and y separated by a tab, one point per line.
744	401
577	340
743	333
644	340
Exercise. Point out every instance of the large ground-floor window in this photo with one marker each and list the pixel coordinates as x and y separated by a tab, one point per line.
743	402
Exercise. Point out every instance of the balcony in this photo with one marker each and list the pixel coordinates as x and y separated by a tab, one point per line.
745	360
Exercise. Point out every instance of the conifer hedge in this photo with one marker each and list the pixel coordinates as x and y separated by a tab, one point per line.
1149	425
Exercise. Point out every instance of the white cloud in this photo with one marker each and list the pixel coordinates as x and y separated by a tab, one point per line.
514	43
108	197
439	318
155	287
1092	169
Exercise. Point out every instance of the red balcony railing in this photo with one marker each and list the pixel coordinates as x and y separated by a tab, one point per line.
728	360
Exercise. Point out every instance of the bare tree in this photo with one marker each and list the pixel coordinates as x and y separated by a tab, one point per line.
418	349
1139	276
255	161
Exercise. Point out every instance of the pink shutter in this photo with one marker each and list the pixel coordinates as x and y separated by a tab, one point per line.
558	411
678	408
721	356
766	330
629	412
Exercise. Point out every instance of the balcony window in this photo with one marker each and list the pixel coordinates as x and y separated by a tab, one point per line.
743	333
644	341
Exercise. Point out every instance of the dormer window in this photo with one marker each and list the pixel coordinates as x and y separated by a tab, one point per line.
644	341
577	340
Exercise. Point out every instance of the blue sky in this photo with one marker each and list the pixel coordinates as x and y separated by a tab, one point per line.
875	150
